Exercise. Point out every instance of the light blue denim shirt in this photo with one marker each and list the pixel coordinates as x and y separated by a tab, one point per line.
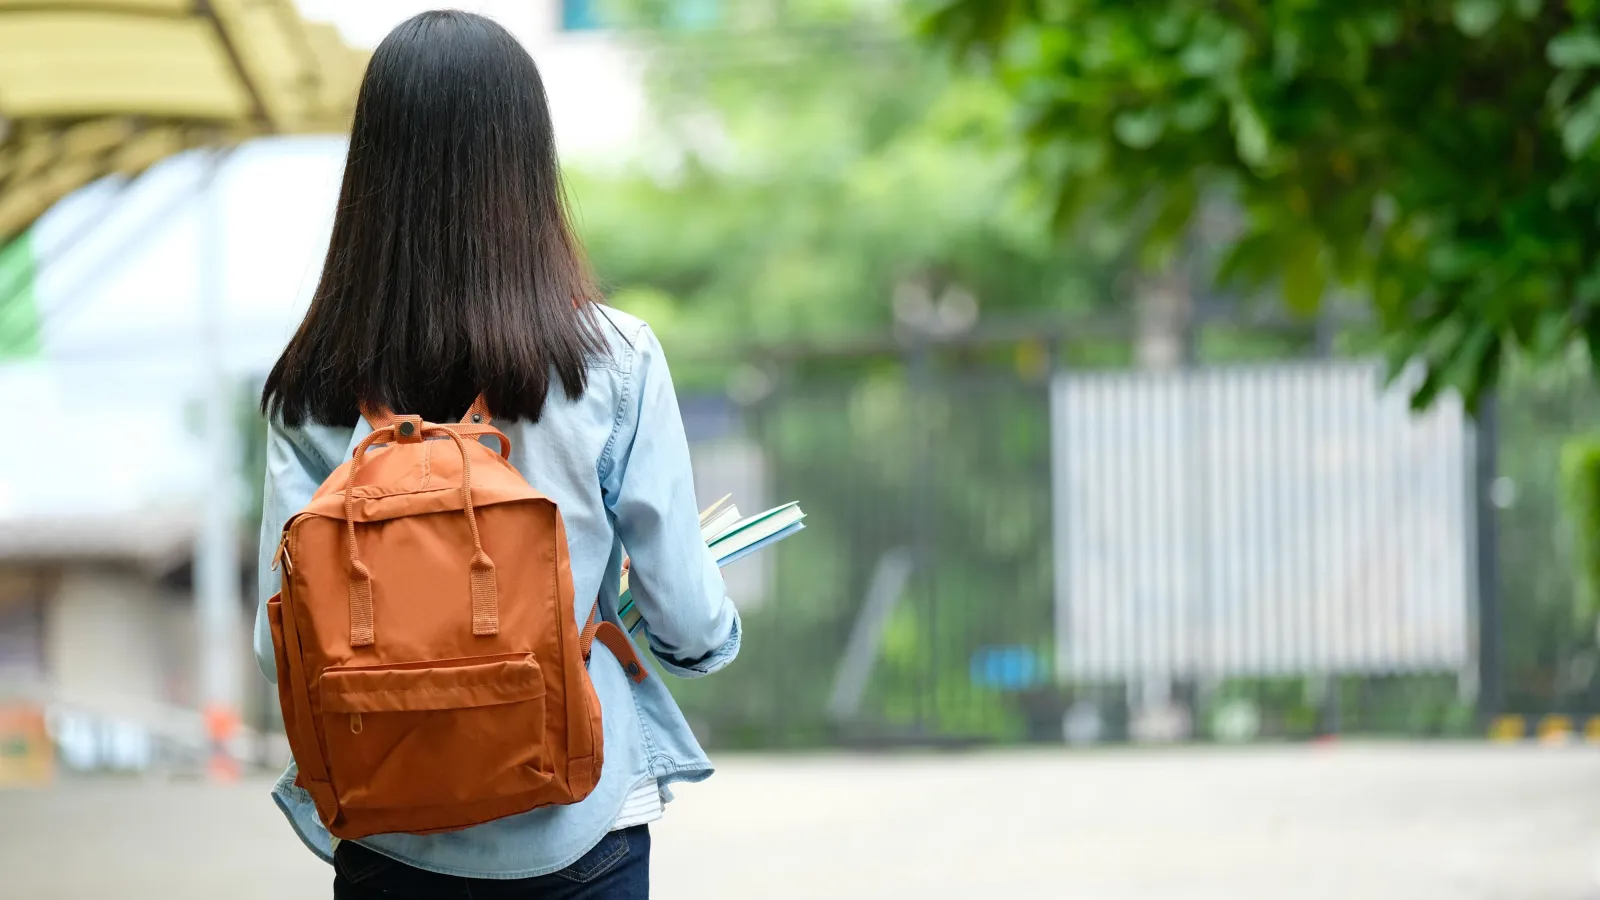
617	464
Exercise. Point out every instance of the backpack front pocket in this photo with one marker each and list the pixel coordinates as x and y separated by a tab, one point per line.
436	733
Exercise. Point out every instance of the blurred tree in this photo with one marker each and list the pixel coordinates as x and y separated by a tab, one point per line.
808	168
1440	157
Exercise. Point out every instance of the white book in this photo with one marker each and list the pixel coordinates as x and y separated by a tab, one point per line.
719	523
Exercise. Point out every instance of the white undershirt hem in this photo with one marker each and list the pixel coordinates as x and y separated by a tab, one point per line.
643	806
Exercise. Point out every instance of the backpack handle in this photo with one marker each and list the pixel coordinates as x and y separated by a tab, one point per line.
479	431
485	590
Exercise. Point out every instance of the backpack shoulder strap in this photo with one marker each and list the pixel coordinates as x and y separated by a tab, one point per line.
479	413
615	640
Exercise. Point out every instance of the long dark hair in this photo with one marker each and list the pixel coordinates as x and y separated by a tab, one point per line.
452	269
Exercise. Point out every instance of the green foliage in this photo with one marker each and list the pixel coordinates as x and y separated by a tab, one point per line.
1580	479
804	172
1439	158
1301	708
1548	649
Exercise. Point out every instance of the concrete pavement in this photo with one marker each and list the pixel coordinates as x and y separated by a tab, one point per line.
1418	822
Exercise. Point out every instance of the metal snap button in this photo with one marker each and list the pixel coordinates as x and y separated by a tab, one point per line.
633	670
477	419
407	429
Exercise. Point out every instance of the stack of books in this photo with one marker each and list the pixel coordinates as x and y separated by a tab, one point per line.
731	538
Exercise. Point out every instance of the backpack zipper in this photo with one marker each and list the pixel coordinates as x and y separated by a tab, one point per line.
282	555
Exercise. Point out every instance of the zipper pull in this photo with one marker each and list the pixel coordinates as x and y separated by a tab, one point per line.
282	555
355	723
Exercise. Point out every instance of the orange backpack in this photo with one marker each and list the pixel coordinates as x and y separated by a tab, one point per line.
430	669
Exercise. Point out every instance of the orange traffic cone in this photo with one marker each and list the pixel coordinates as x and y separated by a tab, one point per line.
222	723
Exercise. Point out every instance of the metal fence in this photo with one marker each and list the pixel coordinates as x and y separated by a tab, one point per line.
927	556
1275	550
1264	551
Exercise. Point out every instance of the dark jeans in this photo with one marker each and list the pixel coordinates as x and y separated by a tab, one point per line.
618	868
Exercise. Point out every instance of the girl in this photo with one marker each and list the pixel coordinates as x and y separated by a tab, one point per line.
453	271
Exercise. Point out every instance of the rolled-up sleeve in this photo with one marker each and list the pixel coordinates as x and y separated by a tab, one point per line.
293	474
691	625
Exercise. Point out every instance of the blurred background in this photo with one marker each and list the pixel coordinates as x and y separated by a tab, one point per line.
1210	377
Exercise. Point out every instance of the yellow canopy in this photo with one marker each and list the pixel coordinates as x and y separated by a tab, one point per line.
93	87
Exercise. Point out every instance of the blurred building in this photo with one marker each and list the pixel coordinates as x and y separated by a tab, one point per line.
113	118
